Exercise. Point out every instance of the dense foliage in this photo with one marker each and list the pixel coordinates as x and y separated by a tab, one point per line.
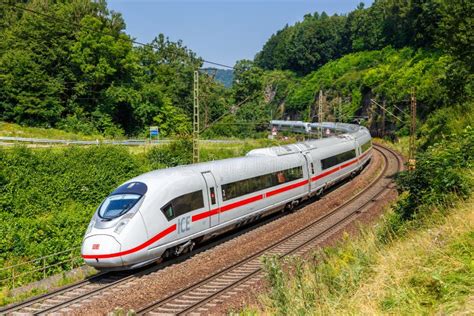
442	170
48	196
70	65
320	38
386	74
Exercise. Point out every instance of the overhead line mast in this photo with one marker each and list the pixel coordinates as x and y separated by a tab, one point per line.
412	148
196	117
320	113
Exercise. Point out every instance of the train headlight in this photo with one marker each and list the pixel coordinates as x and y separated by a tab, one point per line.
91	225
121	225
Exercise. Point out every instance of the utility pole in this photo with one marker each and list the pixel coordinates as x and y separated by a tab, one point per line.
309	113
320	113
383	118
340	109
196	117
412	148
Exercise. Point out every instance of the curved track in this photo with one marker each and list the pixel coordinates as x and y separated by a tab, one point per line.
198	298
238	276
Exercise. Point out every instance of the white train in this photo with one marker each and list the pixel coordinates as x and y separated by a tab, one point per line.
312	128
165	212
291	126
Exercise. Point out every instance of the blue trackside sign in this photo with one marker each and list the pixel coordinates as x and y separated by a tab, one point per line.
154	131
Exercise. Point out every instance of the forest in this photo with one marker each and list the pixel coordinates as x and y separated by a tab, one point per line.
71	65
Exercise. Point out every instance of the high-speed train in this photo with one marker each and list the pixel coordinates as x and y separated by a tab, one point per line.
291	126
310	128
166	212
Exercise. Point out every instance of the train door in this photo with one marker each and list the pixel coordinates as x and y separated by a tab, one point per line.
213	200
310	167
358	151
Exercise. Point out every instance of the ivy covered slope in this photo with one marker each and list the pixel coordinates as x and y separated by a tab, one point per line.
377	52
389	73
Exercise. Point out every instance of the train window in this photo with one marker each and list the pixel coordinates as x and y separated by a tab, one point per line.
213	195
183	204
337	159
312	168
117	205
246	186
168	211
366	146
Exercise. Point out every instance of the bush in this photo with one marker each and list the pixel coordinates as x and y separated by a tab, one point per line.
177	153
47	197
440	175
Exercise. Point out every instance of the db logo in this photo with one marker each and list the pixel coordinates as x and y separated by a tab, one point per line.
95	246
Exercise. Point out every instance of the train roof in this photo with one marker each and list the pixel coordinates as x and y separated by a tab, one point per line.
256	157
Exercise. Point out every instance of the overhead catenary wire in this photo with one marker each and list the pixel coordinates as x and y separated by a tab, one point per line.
385	109
78	25
224	115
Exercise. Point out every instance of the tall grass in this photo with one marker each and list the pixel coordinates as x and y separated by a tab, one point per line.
424	271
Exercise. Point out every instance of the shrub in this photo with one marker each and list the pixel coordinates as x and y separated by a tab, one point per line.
442	171
177	153
47	197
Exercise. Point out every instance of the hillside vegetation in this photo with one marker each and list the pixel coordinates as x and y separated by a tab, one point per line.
72	66
320	38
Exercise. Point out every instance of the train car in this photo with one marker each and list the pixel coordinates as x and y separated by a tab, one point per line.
166	212
291	126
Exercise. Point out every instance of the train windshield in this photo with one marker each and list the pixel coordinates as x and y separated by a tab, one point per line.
117	205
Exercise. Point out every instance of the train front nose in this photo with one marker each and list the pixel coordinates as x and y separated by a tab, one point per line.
101	251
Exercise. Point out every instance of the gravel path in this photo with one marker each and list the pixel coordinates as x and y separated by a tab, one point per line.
143	290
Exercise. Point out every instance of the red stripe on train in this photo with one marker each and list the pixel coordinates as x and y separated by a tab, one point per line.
287	188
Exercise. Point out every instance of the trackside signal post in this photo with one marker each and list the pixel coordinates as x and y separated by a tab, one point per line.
196	117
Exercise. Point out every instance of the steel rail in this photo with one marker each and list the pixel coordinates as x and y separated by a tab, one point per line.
154	307
102	277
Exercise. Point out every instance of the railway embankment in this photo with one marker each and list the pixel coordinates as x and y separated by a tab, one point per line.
416	260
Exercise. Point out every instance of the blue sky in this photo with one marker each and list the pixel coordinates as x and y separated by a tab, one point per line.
222	31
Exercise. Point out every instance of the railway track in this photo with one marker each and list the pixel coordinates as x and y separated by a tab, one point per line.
68	296
239	276
206	294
